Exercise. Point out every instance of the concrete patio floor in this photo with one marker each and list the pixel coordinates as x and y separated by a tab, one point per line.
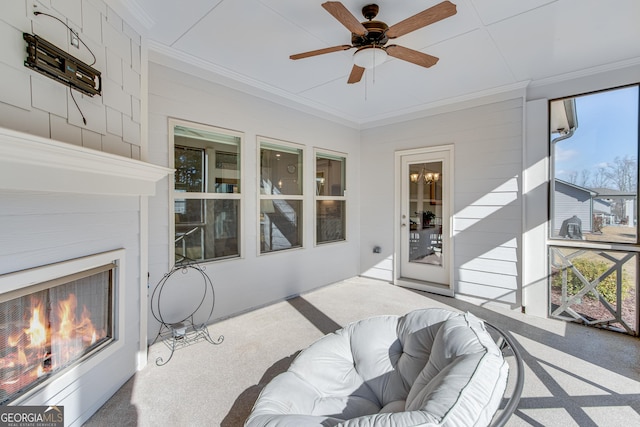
574	375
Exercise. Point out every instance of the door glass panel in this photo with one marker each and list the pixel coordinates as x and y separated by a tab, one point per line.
425	208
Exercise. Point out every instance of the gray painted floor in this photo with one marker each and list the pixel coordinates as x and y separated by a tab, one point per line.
574	375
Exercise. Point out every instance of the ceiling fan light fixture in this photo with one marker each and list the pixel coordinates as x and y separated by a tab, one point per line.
369	57
370	37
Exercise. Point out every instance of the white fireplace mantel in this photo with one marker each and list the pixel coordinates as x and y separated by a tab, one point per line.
32	163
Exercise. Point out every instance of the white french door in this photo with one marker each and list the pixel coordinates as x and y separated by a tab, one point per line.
423	226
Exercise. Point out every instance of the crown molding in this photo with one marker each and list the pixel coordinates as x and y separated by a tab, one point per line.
181	61
134	10
588	72
497	94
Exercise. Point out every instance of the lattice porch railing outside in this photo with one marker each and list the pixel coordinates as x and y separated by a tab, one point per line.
588	305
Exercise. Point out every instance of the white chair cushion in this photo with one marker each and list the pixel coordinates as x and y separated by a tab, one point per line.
465	377
429	367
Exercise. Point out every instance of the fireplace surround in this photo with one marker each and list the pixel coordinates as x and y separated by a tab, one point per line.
65	209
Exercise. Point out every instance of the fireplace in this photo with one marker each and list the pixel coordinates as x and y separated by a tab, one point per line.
50	326
55	320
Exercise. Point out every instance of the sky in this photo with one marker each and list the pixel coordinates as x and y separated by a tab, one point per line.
607	128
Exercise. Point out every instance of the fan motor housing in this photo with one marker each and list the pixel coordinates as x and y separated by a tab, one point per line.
376	34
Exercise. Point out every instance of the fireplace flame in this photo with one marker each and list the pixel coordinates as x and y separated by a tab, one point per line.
86	326
36	332
22	358
72	329
51	341
66	310
14	340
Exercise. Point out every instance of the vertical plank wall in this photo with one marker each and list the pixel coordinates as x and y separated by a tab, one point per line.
487	213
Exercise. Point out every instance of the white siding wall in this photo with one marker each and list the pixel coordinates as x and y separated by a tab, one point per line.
33	103
253	280
487	224
44	228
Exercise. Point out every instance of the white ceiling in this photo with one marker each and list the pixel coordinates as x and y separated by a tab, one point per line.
489	46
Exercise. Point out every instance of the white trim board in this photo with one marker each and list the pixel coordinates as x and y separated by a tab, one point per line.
33	163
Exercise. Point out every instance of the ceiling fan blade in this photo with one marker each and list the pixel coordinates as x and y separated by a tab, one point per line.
356	74
426	17
346	18
320	51
411	55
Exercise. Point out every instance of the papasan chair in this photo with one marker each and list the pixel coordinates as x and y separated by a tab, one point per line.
430	367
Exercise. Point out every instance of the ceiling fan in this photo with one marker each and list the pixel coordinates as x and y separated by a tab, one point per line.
370	37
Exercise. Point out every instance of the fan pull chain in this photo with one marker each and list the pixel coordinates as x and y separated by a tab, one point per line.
366	85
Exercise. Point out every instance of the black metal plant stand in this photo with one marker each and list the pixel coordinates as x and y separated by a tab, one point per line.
183	332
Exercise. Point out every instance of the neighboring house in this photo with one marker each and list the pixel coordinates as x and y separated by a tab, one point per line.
570	200
615	207
622	206
602	209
